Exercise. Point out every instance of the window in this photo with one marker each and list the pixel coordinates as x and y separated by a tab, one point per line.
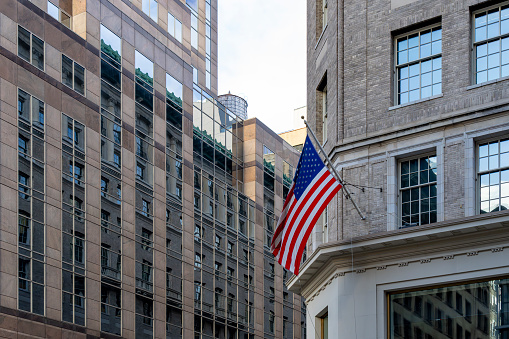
146	239
22	144
493	173
140	171
321	101
24	230
24	183
418	191
73	75
116	133
59	15
193	4
149	7
230	247
324	326
491	43
194	30
116	158
197	260
218	267
230	273
78	250
195	75
419	65
104	186
197	233
174	27
271	322
218	242
146	271
197	291
30	48
445	318
145	207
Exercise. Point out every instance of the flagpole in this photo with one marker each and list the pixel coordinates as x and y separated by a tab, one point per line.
338	177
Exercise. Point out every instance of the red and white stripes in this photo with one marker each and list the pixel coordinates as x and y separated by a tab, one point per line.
299	217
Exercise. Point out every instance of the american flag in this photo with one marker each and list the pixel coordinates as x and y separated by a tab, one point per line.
312	189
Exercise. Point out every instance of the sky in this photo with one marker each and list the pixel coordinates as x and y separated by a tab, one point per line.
262	57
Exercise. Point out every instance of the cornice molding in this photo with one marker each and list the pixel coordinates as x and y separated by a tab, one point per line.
467	237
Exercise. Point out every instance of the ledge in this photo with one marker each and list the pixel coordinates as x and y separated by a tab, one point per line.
487	83
416	102
391	246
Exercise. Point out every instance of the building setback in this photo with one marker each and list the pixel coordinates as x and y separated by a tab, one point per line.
410	100
133	203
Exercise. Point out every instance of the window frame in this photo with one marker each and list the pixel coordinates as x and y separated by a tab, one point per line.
31	61
474	44
417	157
478	172
418	61
73	75
150	14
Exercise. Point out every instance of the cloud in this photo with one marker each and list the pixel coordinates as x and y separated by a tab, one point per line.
262	57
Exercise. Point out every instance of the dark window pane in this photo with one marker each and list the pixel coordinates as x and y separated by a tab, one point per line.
67	77
37	52
79	79
23	44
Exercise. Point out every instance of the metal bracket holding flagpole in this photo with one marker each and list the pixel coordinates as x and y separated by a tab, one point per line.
338	177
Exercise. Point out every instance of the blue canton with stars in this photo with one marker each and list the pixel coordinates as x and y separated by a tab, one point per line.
308	168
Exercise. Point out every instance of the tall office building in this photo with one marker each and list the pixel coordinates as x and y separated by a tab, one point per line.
410	101
132	203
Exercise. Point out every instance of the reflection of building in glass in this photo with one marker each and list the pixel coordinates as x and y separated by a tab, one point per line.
235	104
427	162
132	201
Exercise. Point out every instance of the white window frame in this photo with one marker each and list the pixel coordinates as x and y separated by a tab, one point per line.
393	179
478	173
417	61
500	36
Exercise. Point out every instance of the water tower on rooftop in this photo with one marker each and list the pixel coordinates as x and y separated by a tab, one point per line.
235	104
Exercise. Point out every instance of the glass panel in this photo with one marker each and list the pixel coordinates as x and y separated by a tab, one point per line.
53	10
37	52
67	69
144	68
110	44
173	89
79	79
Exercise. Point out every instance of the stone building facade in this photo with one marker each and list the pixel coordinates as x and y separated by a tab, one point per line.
132	201
409	99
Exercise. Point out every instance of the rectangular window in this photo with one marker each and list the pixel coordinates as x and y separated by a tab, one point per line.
321	102
59	15
487	317
149	7
418	65
73	75
324	326
493	175
194	30
30	48
193	4
491	43
174	27
418	191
